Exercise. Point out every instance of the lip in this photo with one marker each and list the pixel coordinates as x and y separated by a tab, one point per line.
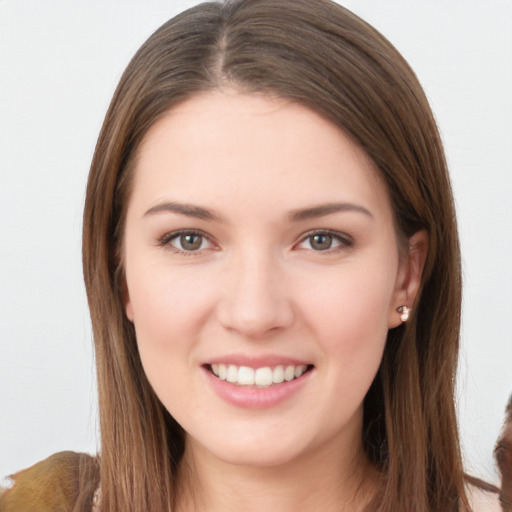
255	398
257	361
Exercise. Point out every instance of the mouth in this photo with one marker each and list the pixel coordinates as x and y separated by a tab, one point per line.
263	377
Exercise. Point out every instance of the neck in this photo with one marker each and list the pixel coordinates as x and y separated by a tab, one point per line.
315	481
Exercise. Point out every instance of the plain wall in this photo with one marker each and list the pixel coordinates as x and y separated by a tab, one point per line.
59	64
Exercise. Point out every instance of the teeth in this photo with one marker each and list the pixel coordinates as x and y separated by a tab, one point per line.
299	370
263	376
278	375
289	373
259	377
246	376
232	373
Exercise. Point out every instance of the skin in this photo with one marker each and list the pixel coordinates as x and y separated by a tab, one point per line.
259	286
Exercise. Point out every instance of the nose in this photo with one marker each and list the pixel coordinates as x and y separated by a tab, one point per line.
255	301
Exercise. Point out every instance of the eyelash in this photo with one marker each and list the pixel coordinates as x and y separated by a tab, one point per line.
343	240
165	241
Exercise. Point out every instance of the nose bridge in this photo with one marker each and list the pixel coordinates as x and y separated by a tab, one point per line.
256	299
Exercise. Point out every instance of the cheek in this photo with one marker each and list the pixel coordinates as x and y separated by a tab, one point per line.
350	301
164	303
167	318
169	311
350	320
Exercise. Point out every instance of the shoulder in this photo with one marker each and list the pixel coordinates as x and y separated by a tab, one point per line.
57	483
483	500
503	455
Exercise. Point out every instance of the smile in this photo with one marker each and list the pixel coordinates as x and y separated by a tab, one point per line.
263	377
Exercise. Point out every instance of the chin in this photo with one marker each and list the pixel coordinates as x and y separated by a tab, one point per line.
258	450
257	456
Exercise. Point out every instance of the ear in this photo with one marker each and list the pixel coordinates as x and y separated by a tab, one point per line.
126	301
129	310
409	275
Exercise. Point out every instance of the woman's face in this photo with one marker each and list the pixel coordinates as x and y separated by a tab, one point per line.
262	274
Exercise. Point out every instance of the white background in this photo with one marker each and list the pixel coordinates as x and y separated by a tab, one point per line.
59	64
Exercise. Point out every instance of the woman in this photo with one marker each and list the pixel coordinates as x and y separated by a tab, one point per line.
272	267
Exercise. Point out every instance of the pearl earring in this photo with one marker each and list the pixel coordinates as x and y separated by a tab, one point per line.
404	313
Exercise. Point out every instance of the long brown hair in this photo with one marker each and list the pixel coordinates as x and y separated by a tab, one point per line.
321	55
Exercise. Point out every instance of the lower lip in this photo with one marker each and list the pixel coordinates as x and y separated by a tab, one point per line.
256	398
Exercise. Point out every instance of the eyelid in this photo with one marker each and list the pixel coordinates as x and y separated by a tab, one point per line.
165	241
343	239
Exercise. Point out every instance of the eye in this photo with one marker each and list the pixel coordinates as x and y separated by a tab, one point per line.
190	242
186	242
323	241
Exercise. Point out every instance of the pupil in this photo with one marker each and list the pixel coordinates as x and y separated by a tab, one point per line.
190	242
321	242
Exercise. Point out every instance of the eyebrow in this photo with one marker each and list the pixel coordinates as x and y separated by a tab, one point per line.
326	209
201	213
189	210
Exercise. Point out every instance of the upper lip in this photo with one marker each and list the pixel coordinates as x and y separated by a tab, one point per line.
257	361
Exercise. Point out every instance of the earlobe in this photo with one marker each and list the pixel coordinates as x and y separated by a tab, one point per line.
129	311
409	278
128	308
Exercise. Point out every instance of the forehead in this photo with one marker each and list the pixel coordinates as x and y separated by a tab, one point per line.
234	120
228	146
